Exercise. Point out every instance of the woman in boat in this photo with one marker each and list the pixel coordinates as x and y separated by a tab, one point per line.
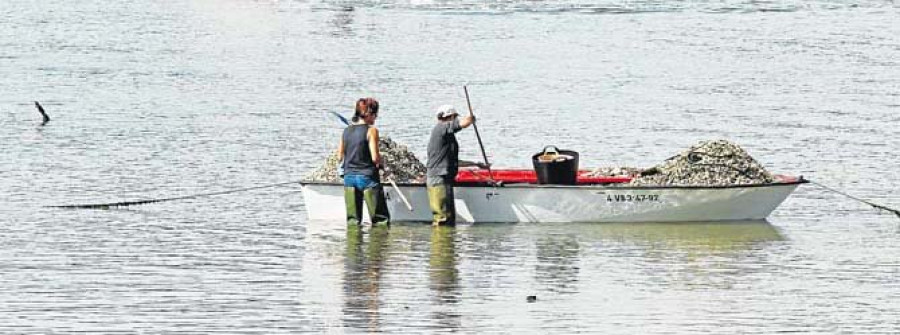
358	150
443	164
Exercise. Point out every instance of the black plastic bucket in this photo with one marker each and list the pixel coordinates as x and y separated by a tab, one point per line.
554	166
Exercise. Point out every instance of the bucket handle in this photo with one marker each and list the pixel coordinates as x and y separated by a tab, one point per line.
555	149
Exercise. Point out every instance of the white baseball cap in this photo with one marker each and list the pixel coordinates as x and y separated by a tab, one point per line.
446	111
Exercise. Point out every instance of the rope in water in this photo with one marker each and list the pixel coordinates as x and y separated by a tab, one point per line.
150	201
881	207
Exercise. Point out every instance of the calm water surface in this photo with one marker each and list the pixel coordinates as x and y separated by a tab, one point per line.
155	99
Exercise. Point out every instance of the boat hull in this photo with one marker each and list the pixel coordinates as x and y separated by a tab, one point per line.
557	203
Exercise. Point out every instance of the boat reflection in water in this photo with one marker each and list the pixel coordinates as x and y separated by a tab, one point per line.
415	276
688	256
557	265
667	254
700	237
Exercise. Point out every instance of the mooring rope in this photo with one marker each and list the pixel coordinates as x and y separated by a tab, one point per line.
881	207
150	201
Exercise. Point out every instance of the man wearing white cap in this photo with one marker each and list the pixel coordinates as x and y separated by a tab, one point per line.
443	163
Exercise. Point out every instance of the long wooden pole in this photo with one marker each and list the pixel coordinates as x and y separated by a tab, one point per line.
402	197
478	135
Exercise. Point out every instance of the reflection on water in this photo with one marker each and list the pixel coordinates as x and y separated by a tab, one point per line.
363	268
442	263
699	236
557	262
444	276
673	255
371	277
342	23
689	256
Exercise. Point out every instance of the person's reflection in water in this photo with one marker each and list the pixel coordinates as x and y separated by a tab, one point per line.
557	265
362	276
444	276
342	22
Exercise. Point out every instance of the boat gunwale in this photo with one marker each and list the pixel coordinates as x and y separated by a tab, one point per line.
609	186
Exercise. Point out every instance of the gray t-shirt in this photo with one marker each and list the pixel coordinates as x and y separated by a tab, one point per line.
443	150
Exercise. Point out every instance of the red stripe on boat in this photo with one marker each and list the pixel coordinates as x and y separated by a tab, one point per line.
508	176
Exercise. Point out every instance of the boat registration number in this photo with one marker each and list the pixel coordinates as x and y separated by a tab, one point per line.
632	197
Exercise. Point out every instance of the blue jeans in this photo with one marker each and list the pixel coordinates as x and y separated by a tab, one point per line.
359	182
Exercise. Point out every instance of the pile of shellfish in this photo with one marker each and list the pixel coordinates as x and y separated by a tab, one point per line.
610	171
399	164
709	163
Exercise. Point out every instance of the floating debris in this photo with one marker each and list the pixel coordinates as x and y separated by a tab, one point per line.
44	116
709	163
400	163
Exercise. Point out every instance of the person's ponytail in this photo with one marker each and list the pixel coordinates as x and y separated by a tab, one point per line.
365	107
360	110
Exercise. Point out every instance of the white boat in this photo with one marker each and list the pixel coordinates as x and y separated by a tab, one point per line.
612	202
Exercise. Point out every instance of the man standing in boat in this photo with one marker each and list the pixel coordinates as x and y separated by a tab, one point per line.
358	150
443	163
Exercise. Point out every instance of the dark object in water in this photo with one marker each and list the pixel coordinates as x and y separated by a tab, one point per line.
43	114
531	298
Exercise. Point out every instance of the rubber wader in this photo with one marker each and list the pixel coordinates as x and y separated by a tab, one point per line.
375	203
353	201
440	199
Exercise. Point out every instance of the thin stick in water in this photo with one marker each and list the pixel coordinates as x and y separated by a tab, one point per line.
43	113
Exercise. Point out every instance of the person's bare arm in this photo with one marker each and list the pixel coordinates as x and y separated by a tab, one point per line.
373	146
341	149
467	121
